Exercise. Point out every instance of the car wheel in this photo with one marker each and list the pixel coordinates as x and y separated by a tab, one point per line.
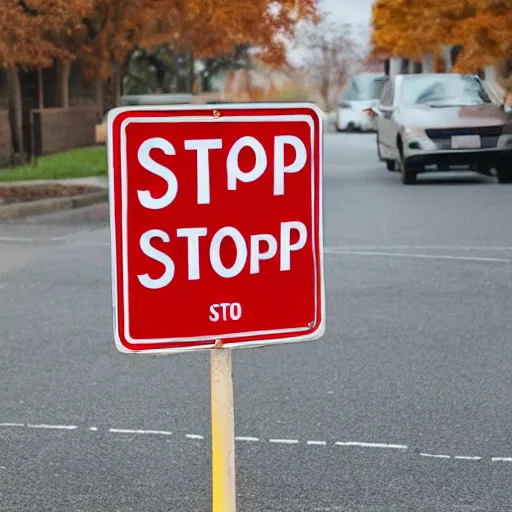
409	174
391	165
504	173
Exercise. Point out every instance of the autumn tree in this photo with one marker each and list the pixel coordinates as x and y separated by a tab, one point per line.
32	36
191	29
328	54
411	28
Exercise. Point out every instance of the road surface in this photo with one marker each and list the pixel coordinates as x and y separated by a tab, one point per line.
405	405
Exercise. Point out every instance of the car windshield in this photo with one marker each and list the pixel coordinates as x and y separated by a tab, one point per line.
364	88
444	91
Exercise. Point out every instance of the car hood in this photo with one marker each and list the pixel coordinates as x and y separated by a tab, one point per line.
453	117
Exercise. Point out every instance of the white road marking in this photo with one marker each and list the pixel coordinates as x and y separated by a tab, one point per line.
417	256
374	445
420	248
54	427
138	431
11	239
356	444
433	456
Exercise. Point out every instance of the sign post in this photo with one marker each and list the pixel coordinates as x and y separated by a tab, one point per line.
223	431
217	242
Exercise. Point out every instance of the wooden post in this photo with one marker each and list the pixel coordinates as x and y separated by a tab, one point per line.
223	431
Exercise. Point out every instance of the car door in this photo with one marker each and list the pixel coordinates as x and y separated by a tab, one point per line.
386	124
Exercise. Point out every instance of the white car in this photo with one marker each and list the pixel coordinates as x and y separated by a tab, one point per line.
442	122
361	93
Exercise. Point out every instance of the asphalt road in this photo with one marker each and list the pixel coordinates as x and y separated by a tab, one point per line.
404	405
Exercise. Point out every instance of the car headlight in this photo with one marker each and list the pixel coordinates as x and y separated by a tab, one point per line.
413	133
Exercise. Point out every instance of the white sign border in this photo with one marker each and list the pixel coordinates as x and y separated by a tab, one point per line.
319	281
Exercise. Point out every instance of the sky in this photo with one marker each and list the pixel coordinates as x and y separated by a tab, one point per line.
349	11
355	12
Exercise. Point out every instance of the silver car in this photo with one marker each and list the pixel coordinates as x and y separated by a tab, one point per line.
361	93
442	122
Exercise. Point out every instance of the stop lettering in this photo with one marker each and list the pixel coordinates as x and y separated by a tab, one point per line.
216	226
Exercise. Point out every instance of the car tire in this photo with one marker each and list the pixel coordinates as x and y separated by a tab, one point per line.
408	174
409	178
391	165
504	173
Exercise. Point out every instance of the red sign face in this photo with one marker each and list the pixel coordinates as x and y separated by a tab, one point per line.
216	218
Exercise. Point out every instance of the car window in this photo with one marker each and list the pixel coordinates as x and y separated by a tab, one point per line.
364	88
443	90
387	94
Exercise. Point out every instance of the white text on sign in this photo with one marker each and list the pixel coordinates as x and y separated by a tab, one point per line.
228	311
250	249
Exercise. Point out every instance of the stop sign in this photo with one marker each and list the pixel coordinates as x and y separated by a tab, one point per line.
216	220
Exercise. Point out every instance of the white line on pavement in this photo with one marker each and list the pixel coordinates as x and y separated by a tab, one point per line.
10	239
417	256
355	444
374	445
433	456
55	427
142	432
421	247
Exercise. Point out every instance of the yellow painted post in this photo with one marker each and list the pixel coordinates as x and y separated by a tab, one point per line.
223	431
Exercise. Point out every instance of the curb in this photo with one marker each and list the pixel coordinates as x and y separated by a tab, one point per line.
44	206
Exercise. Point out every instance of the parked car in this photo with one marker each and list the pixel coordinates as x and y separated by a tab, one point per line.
361	93
442	122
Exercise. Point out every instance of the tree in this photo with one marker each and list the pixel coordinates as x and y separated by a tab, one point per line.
32	35
411	28
329	56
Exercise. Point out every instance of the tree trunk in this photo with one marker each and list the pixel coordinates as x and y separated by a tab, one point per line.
117	84
16	106
64	68
40	89
98	94
191	73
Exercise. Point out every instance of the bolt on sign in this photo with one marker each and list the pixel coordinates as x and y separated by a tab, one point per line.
216	221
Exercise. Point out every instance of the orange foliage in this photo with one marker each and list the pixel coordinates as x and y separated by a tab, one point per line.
411	28
205	28
33	31
106	31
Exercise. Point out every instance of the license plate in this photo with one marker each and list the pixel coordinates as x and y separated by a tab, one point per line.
466	142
